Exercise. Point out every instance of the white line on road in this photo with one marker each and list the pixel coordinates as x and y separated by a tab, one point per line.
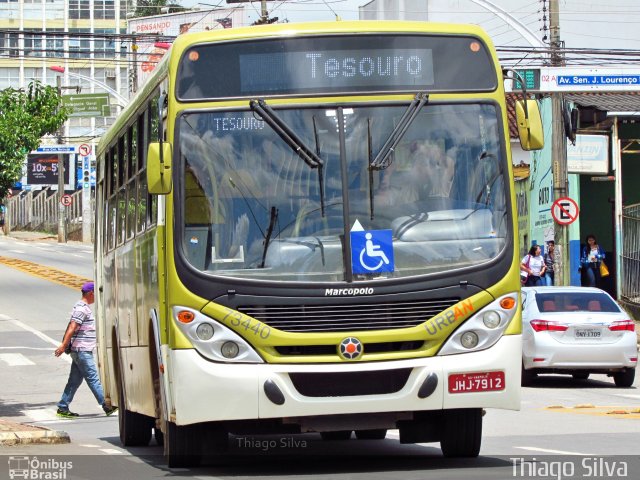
88	445
15	359
37	333
13	347
40	414
558	452
112	451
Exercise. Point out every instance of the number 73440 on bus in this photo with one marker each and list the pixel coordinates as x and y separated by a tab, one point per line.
311	228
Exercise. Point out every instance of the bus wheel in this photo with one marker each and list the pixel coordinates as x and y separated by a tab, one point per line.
461	432
159	436
339	435
215	441
182	445
377	434
135	429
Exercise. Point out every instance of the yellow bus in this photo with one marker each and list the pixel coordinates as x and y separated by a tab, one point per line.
311	228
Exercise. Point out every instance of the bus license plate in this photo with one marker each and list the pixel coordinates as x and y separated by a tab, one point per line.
476	382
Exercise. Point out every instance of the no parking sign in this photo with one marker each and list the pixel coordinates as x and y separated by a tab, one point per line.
66	200
565	211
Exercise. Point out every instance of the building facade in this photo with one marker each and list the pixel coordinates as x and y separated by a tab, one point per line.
82	37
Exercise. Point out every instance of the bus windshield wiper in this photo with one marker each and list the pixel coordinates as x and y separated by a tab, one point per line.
296	144
273	217
486	189
381	161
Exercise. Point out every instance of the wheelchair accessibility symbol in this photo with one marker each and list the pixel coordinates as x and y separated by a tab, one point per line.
372	251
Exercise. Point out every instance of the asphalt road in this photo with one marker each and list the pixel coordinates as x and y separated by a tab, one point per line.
563	420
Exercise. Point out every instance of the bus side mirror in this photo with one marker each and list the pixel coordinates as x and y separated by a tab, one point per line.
159	168
529	125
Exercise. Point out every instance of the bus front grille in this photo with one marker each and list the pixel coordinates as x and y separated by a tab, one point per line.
384	347
347	317
348	384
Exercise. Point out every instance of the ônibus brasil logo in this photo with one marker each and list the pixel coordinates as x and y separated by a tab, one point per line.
350	348
38	469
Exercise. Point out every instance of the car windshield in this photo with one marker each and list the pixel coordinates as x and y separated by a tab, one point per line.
576	302
249	204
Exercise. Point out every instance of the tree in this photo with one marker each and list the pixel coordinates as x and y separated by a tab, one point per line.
148	8
25	117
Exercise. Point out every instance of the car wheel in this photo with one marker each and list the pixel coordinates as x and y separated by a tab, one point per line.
580	375
528	377
625	379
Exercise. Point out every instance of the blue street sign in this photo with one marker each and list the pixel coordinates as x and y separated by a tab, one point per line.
372	251
609	80
56	149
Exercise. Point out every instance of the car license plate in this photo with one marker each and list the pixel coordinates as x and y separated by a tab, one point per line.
476	382
587	333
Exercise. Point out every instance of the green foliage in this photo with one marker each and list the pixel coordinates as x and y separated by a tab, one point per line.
147	8
25	117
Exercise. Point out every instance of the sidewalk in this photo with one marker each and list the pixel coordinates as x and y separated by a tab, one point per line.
12	433
37	237
30	236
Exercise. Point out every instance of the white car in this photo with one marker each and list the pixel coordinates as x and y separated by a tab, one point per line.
576	331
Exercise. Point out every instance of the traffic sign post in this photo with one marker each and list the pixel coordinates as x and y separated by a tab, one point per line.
565	211
84	150
88	104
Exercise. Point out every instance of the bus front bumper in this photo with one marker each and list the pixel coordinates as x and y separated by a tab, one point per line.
204	391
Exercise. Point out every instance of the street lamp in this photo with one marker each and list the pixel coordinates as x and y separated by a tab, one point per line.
121	101
86	193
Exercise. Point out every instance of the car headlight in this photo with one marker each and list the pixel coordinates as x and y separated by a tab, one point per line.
483	329
212	339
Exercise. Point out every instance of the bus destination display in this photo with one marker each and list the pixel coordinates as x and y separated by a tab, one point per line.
335	65
336	69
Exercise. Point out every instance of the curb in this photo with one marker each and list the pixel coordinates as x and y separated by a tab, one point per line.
30	437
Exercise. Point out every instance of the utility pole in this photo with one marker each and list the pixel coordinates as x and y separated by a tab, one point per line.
264	15
134	70
559	150
62	220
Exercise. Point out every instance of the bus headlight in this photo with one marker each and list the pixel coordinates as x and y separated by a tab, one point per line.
491	319
483	329
229	349
469	340
212	339
204	331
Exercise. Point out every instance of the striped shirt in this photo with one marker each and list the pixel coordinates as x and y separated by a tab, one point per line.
84	340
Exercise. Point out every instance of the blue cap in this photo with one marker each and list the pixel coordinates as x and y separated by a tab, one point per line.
87	287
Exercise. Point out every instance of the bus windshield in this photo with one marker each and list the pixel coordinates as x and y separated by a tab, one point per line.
249	206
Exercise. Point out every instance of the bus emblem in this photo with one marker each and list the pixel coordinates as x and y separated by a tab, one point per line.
350	348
